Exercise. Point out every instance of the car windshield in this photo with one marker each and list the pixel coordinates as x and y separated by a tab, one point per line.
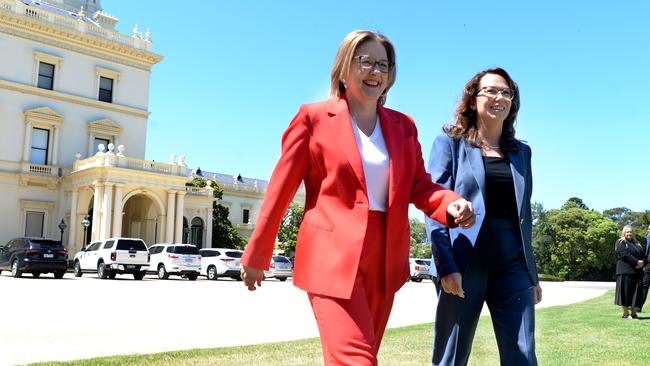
233	254
280	259
186	249
45	244
127	244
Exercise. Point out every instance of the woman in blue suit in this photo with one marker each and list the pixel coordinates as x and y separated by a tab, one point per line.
479	157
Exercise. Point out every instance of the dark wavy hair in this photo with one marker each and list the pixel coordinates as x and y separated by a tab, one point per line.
465	119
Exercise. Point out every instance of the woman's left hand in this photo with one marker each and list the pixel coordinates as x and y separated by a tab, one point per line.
538	294
462	212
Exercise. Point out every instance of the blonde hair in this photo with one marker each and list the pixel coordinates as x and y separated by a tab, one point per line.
624	230
344	56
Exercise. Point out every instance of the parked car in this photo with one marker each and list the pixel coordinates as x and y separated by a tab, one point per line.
112	256
175	259
280	268
35	256
220	262
419	270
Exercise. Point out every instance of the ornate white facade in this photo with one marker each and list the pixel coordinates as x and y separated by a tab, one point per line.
73	115
73	119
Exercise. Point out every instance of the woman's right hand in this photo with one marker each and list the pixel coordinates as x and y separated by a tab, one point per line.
251	276
640	264
453	284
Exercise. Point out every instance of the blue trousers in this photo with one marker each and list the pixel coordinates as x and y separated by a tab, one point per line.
495	274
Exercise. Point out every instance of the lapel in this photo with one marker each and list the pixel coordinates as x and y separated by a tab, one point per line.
393	137
337	109
476	162
518	174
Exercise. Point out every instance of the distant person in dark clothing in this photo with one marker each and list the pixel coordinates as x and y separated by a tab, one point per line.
645	283
629	265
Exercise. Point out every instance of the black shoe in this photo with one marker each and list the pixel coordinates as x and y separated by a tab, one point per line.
634	316
625	316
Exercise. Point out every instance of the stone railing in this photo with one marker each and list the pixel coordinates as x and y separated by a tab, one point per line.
109	159
20	8
196	191
39	169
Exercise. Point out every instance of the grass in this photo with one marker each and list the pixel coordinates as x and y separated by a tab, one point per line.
588	333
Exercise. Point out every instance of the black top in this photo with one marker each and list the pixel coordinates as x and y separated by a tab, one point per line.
628	254
499	189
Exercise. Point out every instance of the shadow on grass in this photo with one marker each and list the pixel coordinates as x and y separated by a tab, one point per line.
590	333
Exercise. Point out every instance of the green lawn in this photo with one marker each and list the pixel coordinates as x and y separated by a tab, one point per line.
588	333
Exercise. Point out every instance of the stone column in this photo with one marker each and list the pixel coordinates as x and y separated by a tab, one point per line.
72	233
107	209
91	142
171	201
55	146
99	191
160	230
117	211
28	142
208	230
180	203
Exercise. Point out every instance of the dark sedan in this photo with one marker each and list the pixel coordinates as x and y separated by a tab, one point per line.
35	256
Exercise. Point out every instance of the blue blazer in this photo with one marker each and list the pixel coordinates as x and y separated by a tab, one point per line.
457	165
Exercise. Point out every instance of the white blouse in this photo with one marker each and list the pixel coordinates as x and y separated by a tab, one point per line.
374	157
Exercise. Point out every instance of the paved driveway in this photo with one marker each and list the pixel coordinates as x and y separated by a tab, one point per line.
49	320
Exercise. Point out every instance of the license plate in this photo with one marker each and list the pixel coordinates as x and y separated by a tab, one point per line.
188	259
130	266
48	255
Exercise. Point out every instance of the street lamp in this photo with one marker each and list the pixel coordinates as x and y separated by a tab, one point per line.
85	223
62	227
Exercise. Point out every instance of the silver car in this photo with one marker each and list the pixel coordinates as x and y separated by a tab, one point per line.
280	268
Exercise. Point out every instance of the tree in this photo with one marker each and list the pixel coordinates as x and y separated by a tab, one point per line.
288	233
624	216
582	244
575	202
420	248
224	235
542	239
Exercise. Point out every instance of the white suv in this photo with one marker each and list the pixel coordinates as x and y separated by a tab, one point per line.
175	259
220	262
419	270
112	256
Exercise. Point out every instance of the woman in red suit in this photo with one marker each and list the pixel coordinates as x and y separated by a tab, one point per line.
361	165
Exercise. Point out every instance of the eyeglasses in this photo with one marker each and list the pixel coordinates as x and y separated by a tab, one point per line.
492	92
369	63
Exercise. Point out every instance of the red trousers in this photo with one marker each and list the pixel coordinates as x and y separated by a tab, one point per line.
351	329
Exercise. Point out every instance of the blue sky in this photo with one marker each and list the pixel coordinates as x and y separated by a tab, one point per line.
235	73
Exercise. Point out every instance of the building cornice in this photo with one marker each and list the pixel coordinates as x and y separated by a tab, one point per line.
71	39
53	94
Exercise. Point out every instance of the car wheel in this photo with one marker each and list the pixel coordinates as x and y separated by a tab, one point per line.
282	279
101	271
417	280
36	274
192	276
59	274
162	272
77	269
139	275
212	273
14	269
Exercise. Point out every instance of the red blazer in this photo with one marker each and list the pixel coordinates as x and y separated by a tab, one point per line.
320	149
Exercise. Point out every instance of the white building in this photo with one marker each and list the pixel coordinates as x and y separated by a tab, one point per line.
73	118
73	121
